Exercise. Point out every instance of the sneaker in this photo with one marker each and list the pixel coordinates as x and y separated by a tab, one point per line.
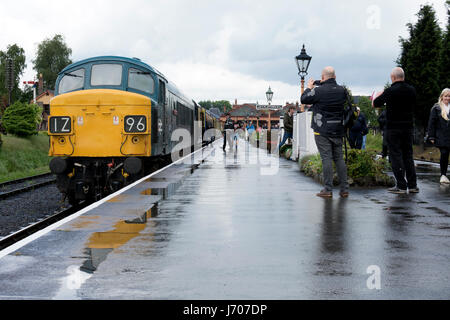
414	190
325	194
445	180
344	194
397	190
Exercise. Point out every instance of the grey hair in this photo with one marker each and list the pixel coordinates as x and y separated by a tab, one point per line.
398	73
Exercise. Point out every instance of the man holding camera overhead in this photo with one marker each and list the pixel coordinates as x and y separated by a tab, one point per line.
328	100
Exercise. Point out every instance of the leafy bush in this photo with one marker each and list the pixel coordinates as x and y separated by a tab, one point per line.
363	168
21	119
311	165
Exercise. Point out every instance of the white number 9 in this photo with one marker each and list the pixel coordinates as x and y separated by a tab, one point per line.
130	123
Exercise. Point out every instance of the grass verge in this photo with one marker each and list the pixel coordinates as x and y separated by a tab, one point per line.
23	157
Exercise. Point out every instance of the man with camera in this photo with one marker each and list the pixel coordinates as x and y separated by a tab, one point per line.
328	100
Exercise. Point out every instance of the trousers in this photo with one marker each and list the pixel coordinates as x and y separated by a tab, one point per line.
330	150
444	160
400	145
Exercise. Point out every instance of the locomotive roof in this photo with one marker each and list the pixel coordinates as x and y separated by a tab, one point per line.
170	85
113	58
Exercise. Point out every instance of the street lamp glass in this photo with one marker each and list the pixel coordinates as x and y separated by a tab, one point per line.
303	61
269	95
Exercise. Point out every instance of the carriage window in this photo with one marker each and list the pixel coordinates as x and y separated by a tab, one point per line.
141	80
72	80
106	75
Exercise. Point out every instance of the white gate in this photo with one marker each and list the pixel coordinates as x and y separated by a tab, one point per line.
303	136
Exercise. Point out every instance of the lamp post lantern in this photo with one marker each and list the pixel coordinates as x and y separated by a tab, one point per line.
303	61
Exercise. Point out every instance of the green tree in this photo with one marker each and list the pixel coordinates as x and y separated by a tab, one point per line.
420	59
18	55
52	56
445	54
22	119
206	104
216	104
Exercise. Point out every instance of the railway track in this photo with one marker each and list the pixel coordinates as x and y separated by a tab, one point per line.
37	226
21	185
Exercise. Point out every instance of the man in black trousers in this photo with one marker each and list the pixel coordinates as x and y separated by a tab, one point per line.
400	99
228	132
328	100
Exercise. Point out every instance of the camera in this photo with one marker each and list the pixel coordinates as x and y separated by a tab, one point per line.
317	83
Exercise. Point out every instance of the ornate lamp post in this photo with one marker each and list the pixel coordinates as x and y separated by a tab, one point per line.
269	95
303	61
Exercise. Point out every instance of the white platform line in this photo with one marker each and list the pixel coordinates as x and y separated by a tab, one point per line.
46	230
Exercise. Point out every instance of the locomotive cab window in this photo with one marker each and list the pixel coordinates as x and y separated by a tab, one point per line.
71	81
141	80
106	75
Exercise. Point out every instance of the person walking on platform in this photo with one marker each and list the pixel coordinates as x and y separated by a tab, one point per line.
228	132
328	100
288	124
439	131
250	130
400	99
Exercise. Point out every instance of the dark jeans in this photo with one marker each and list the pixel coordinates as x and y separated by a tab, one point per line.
400	144
444	160
330	150
355	140
286	136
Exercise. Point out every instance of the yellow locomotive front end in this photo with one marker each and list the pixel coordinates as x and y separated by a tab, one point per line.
100	123
98	139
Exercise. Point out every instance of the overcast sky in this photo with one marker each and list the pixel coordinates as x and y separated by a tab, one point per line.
226	50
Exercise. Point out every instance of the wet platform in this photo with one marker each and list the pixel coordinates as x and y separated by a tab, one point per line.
241	225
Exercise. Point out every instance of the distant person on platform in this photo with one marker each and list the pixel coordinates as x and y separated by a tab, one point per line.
400	99
228	132
358	131
439	130
328	100
288	124
250	130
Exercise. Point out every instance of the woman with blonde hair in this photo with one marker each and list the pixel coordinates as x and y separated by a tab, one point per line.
439	130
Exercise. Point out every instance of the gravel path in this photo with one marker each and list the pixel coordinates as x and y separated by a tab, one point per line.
19	211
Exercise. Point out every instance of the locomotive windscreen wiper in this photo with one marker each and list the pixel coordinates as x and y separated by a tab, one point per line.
140	72
72	75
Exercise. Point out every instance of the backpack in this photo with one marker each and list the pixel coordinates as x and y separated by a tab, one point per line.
350	113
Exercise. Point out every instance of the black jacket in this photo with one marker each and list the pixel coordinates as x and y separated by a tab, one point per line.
328	102
382	121
288	123
438	128
401	101
360	125
229	124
